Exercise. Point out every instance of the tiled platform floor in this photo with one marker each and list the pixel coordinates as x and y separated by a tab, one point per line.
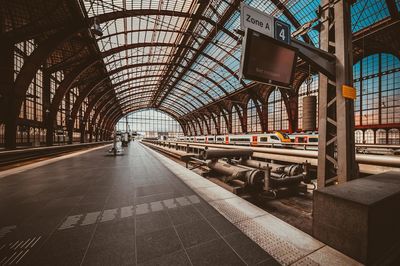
94	209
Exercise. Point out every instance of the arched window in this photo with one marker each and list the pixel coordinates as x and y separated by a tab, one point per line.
253	120
377	80
358	136
150	123
277	115
369	136
381	136
304	91
394	136
236	125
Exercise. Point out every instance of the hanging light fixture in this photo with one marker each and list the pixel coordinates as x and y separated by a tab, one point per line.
96	29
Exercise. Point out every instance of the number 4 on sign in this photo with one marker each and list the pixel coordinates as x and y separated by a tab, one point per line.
282	31
282	34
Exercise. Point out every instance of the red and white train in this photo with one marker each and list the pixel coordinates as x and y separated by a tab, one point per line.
253	139
242	139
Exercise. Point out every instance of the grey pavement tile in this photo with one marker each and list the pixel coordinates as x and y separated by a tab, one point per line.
119	200
156	244
174	259
64	247
206	209
150	222
157	197
248	250
222	225
152	190
59	259
120	252
216	252
269	262
195	233
182	215
111	232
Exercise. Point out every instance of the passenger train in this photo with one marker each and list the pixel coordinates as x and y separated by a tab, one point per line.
242	139
306	138
254	139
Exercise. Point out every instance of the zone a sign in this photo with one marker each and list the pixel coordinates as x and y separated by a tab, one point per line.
256	20
263	23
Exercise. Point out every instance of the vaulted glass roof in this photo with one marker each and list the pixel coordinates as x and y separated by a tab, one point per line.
183	54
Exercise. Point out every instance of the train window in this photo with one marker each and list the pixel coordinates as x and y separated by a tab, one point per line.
274	137
285	136
211	139
313	140
264	139
220	139
301	139
239	139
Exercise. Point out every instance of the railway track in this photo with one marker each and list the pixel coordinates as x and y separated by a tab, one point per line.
13	158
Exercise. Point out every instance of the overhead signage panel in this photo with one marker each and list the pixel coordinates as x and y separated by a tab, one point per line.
256	20
267	60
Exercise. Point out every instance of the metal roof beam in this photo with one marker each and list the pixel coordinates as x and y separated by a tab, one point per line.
232	8
394	12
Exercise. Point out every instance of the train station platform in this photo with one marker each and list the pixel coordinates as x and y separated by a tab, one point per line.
139	209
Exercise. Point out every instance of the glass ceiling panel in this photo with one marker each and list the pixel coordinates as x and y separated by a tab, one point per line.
195	81
99	7
367	12
147	29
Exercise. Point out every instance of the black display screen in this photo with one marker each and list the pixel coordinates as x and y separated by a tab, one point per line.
268	60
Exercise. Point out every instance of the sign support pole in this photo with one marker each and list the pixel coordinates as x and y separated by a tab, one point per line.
336	148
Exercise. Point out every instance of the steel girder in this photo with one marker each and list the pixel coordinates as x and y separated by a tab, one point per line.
212	34
139	45
67	83
153	12
394	12
35	60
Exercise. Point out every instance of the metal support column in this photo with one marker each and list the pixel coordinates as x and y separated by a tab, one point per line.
46	106
68	117
8	110
336	159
